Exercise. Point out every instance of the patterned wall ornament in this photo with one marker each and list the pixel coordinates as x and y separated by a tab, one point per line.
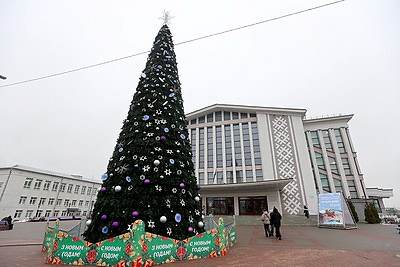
285	162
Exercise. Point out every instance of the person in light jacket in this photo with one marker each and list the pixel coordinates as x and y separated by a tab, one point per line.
266	222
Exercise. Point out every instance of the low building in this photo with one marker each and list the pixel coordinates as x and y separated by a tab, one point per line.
26	193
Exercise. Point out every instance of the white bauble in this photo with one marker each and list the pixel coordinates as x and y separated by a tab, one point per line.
118	188
200	224
98	189
196	198
156	162
163	219
88	222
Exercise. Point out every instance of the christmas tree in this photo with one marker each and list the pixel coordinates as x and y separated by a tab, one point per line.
150	175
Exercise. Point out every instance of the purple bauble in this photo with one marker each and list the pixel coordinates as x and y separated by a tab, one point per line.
104	217
190	229
135	213
103	189
182	185
163	138
147	181
115	224
198	187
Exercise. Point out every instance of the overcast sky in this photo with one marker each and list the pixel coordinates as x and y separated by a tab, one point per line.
343	58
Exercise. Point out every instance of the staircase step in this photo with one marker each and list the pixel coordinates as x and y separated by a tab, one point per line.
255	220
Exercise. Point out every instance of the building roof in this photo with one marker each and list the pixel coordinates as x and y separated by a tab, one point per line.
278	184
379	192
250	109
41	171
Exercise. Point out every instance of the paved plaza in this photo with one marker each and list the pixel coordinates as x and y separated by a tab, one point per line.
369	245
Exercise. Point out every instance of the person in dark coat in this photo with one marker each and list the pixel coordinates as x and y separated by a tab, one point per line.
306	213
276	218
10	224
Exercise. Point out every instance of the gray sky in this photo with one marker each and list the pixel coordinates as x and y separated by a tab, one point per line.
344	58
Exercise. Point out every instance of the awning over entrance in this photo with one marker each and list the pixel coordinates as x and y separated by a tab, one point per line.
254	186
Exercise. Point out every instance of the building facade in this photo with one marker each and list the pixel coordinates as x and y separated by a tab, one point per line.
26	193
252	158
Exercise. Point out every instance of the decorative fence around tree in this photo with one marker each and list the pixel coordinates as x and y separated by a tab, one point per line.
136	247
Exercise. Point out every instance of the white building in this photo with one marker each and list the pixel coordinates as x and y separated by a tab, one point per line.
252	158
27	192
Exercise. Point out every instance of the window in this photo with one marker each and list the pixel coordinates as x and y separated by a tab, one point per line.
210	178
62	187
218	139
333	165
201	177
218	116
18	214
66	202
38	213
315	139
320	160
38	183
256	143
327	140
28	213
47	213
80	203
235	115
339	141
77	187
227	116
46	185
252	205
73	203
193	121
210	151
42	201
210	117
352	188
201	148
202	119
346	166
229	177
246	144
338	185
259	175
32	201
22	200
55	186
84	213
253	115
86	203
83	190
55	213
228	146
243	115
249	176
239	176
325	182
93	192
58	202
89	190
69	190
51	202
220	205
193	143
237	146
63	213
219	177
28	183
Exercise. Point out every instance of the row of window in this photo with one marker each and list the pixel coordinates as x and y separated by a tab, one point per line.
338	185
238	142
222	116
47	213
332	164
56	185
327	140
51	201
239	176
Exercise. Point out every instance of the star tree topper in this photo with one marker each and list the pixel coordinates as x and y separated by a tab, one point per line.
166	17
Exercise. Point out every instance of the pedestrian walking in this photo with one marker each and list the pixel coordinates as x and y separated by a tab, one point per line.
271	224
276	218
266	222
306	213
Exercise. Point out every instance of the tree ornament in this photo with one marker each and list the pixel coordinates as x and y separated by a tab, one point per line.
128	179
104	176
135	213
88	222
190	229
156	162
182	185
103	189
104	217
118	188
196	198
178	217
163	138
200	224
146	181
98	189
115	224
104	230
163	219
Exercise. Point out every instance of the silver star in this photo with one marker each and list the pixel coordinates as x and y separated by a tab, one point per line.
150	134
158	112
197	212
150	105
174	190
129	228
151	224
190	219
157	148
183	202
169	151
169	231
158	188
167	172
146	168
157	121
123	168
148	124
163	121
166	17
142	177
142	158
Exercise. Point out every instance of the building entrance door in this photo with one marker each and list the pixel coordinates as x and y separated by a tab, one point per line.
252	205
